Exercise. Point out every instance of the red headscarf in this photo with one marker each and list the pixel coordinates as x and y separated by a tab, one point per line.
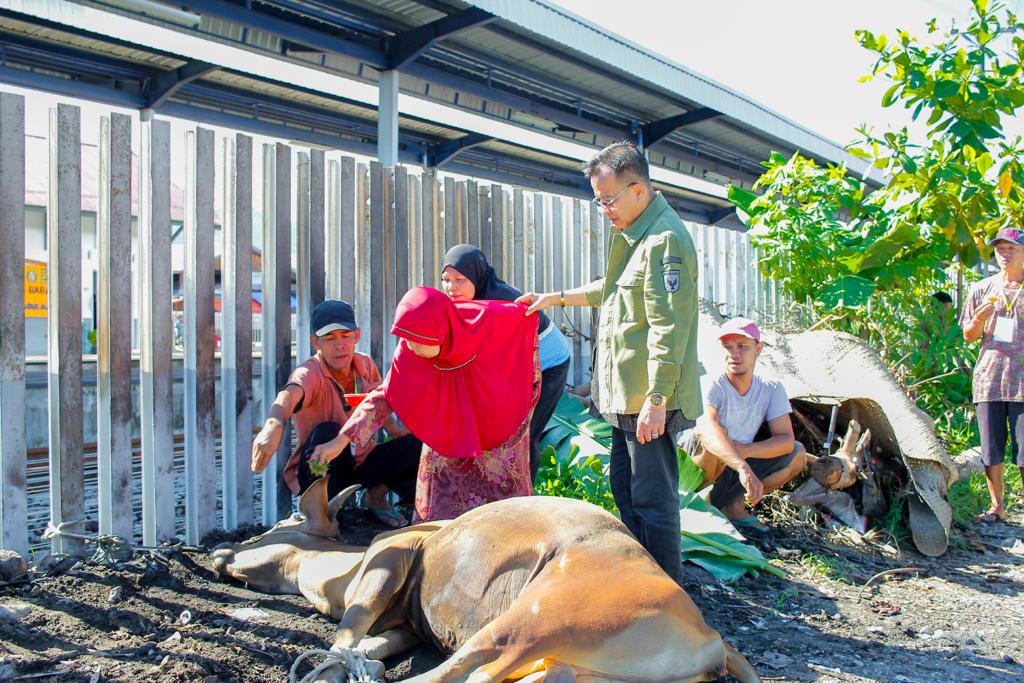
478	391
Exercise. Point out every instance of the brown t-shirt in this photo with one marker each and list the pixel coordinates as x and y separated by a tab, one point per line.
322	401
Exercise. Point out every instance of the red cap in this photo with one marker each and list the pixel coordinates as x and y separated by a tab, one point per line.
741	326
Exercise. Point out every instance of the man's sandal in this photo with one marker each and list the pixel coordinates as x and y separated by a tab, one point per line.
393	519
750	527
990	517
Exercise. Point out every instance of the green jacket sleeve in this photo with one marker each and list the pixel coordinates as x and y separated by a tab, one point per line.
593	290
670	300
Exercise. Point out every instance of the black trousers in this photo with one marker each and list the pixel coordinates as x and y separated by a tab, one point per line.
645	484
998	420
393	463
552	384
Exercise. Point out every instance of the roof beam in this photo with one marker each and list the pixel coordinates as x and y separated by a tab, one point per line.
716	217
443	152
406	47
287	30
655	131
108	94
169	82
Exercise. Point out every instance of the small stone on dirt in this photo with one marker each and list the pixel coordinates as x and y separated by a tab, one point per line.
12	565
185	618
966	653
775	660
115	595
14	611
173	639
248	614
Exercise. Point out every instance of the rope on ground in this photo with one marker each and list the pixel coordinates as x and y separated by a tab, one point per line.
110	548
353	661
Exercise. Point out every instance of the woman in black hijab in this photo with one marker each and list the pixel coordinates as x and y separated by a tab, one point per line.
466	275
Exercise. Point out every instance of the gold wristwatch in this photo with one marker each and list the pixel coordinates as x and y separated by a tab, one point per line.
656	398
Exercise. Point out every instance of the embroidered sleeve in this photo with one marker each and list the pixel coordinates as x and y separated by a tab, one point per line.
367	418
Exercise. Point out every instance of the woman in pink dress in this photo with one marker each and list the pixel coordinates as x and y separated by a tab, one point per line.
464	380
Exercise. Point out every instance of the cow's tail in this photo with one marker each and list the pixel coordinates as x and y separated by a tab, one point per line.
737	665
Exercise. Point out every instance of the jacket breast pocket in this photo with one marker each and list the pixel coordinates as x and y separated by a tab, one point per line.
630	296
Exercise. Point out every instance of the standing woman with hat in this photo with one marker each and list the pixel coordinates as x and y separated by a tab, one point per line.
467	276
464	381
994	312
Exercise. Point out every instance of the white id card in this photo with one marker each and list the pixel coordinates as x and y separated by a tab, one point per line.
1004	329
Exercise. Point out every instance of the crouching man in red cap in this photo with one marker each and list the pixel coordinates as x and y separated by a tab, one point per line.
723	444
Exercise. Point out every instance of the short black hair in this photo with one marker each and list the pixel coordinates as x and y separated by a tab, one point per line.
943	298
623	159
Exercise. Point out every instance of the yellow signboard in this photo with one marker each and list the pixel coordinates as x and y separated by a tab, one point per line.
35	289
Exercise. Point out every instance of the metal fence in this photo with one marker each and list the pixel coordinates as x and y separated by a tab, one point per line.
363	232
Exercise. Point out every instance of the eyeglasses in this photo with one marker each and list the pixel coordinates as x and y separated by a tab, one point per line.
607	204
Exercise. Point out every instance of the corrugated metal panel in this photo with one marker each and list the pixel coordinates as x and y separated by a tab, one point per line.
577	34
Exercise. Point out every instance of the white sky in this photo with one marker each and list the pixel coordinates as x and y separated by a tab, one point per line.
798	57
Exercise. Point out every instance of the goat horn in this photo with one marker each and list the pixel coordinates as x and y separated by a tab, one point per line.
335	503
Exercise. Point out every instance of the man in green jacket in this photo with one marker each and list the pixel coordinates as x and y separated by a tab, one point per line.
645	382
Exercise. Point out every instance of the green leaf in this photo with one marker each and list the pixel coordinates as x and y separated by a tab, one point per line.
945	88
740	197
849	291
890	95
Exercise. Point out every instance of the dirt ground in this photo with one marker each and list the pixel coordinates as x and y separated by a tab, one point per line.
167	617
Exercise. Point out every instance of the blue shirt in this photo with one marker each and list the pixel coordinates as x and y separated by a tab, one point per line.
553	348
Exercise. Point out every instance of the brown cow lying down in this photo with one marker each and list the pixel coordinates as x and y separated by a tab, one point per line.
541	588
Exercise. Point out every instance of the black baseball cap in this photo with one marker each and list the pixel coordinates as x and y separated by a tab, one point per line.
332	315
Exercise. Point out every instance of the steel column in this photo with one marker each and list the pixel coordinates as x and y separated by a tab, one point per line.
387	117
13	498
200	335
155	333
64	314
303	275
236	323
277	331
114	328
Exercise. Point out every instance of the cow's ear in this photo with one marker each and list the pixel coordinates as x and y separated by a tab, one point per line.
335	504
313	506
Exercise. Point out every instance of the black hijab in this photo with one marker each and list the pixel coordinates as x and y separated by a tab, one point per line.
471	262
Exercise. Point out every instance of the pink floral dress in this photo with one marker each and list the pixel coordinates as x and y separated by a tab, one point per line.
447	487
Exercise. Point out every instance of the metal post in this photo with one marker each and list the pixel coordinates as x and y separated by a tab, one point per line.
304	306
347	240
400	245
317	238
156	335
575	246
200	335
364	277
429	231
64	312
540	244
518	254
557	233
277	330
472	213
378	201
498	242
387	118
451	220
114	328
236	323
13	494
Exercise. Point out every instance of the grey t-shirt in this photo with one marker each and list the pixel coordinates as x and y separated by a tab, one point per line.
742	416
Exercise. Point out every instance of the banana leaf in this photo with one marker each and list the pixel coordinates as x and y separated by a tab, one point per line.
576	450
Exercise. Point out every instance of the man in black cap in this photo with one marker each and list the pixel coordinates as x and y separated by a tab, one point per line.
314	398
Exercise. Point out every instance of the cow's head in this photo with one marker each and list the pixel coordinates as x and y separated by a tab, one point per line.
289	557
